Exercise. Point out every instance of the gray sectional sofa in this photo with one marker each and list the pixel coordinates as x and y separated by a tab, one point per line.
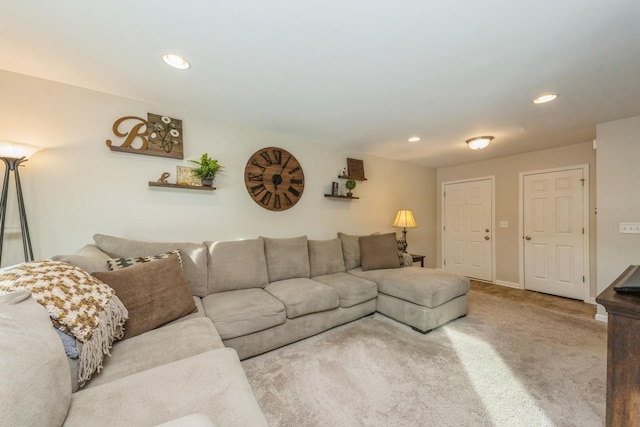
252	296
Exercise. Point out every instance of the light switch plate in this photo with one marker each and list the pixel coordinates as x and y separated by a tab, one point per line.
504	224
630	227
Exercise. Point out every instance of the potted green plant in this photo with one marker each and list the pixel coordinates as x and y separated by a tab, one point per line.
207	169
350	184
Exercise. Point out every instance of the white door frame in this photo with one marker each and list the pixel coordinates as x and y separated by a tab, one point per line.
585	222
491	178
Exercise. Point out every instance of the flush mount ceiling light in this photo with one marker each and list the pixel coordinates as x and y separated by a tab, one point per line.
545	98
176	61
479	142
414	139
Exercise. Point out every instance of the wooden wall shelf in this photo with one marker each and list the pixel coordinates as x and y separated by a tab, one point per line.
181	186
351	177
331	196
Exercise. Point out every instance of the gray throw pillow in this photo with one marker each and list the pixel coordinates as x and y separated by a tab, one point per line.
379	251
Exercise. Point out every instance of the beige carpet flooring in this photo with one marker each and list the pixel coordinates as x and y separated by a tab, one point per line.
506	363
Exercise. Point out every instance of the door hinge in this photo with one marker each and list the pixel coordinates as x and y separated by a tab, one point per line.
582	230
444	228
582	279
444	262
444	194
582	181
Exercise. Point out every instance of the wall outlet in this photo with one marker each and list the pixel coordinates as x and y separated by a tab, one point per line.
630	227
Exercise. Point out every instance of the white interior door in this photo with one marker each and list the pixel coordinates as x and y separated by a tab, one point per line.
553	228
467	232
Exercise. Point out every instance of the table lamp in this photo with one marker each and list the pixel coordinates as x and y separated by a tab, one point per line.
404	219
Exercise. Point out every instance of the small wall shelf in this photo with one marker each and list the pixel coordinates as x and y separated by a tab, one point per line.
351	177
181	186
331	196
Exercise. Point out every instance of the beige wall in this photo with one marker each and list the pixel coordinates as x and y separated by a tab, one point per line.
506	171
77	187
618	156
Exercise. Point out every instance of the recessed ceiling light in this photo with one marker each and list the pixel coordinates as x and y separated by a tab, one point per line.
479	142
545	98
176	61
414	139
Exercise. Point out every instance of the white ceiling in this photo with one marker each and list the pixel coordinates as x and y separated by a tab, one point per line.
362	74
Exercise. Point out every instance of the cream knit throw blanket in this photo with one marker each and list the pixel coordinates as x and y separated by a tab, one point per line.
79	305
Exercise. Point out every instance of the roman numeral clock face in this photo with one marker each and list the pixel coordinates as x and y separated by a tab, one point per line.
274	178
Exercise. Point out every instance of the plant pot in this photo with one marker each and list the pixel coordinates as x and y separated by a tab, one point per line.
349	194
207	182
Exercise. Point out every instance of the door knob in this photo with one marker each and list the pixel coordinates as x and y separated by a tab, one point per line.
486	237
528	237
486	230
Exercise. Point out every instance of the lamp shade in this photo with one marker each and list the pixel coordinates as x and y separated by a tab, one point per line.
17	150
405	219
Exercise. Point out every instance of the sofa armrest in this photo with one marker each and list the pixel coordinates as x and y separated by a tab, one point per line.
89	258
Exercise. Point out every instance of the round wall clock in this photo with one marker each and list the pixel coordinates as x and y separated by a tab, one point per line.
274	178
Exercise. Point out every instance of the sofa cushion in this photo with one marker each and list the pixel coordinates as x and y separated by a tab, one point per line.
423	286
379	251
287	258
325	257
194	256
154	293
157	347
243	312
89	258
239	264
120	263
304	296
212	383
351	289
350	250
35	389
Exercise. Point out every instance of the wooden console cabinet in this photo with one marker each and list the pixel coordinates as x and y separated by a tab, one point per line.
623	354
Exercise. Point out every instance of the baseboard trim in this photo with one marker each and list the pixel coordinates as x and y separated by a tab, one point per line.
602	318
507	284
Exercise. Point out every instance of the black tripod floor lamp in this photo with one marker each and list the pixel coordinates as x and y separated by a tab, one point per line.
13	154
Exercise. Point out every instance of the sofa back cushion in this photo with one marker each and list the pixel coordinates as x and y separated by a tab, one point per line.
194	256
350	250
325	257
238	264
287	258
379	251
89	258
36	381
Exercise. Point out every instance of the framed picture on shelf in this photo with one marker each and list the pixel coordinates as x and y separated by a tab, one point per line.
355	169
185	176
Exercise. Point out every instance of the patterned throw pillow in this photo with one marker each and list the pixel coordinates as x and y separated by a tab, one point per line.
120	263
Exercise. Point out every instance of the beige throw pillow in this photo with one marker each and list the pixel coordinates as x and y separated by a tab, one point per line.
154	293
379	251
